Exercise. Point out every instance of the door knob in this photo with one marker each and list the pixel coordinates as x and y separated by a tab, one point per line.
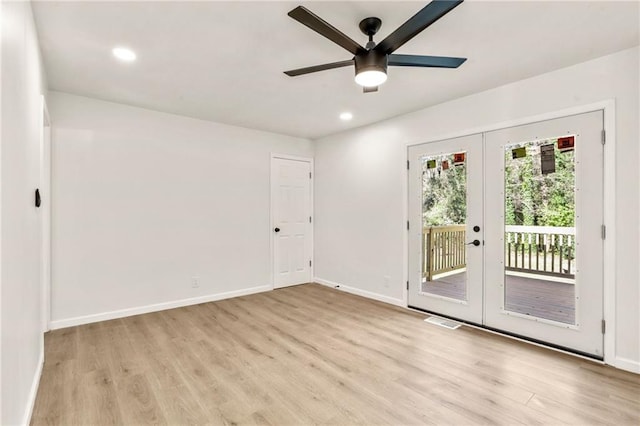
474	242
476	228
277	230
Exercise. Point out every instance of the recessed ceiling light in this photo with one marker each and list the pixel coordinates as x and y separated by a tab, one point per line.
346	116
124	54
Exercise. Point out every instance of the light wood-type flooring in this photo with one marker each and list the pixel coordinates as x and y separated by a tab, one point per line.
314	355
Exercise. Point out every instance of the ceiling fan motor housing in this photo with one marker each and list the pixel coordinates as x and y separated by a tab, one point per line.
371	61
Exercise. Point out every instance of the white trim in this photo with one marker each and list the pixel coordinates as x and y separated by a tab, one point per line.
292	157
359	292
609	267
626	364
122	313
45	211
1	22
35	383
405	232
609	284
530	229
580	109
311	211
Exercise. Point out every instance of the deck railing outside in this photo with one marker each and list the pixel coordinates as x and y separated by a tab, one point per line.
545	250
548	250
443	249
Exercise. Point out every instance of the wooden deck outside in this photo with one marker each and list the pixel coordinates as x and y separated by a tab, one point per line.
540	298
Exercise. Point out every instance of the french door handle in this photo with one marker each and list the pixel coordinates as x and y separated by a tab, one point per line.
276	230
474	242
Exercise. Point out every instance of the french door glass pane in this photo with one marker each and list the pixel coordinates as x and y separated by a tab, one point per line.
539	229
444	214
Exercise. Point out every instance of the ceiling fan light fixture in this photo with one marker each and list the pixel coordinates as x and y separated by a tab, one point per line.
371	78
371	69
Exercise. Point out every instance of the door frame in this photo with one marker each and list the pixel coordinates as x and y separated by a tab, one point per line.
609	185
271	213
45	213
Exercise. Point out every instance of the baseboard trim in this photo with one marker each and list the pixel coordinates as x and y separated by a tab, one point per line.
626	364
360	292
122	313
31	402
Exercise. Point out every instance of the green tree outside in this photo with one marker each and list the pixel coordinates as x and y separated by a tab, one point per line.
531	198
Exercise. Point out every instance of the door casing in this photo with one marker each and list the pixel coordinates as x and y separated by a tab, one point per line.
45	215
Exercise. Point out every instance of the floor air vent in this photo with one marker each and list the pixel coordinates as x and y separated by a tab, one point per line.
452	325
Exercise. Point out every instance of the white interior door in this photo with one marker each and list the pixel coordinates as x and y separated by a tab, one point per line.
445	205
532	196
544	264
291	221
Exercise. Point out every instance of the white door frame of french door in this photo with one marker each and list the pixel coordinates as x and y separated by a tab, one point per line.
45	213
272	215
609	290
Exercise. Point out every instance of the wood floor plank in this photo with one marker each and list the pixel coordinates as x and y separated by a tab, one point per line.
313	355
96	400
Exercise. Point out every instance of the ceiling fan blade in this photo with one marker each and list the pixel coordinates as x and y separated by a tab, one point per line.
317	24
316	68
421	20
425	61
369	89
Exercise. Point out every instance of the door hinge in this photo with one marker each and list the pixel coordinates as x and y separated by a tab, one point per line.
309	219
604	326
604	136
309	263
309	175
407	225
407	164
407	285
604	232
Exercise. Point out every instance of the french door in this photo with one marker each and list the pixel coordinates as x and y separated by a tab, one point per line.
445	208
507	230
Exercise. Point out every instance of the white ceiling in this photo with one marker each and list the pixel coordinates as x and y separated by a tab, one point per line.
223	61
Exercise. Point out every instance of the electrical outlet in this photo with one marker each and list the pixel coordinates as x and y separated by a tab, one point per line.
195	282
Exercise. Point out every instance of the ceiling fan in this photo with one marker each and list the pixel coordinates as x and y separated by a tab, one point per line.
372	60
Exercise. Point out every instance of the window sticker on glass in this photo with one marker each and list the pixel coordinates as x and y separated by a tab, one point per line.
548	159
519	152
431	164
566	144
445	164
458	159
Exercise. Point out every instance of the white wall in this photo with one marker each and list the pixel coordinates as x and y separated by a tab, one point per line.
144	201
361	176
21	341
